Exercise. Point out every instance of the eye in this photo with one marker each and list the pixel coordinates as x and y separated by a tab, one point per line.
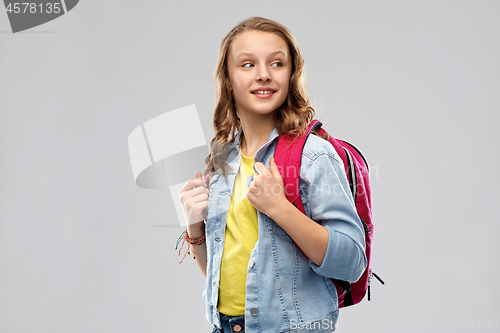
277	64
247	65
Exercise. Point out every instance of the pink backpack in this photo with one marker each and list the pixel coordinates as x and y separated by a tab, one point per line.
289	155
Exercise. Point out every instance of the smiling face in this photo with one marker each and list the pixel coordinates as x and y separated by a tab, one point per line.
259	66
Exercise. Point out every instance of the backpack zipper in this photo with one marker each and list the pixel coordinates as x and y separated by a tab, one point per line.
372	274
359	152
351	170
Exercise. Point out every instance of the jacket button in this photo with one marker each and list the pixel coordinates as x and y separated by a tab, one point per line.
254	311
252	262
237	328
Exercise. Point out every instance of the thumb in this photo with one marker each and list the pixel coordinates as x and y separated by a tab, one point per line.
274	168
198	175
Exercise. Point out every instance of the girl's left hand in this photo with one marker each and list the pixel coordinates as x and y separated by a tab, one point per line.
266	192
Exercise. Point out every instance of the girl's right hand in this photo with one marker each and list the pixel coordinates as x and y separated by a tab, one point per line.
194	200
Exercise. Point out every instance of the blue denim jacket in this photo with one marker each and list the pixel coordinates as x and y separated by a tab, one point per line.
285	291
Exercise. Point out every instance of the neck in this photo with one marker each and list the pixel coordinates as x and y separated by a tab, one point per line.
256	131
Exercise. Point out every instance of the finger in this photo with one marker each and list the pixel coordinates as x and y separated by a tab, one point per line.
274	168
186	198
200	207
197	180
199	190
194	182
190	184
261	168
202	197
191	192
252	177
249	191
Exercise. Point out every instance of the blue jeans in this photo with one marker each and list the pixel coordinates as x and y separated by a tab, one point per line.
231	324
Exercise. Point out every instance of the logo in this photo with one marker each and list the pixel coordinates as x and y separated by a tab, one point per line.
168	150
26	15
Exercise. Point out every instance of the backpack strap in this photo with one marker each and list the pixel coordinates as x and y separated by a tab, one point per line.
288	155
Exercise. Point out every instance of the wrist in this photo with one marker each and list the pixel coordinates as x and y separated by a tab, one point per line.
192	242
280	210
196	230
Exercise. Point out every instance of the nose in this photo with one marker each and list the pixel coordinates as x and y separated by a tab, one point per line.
263	74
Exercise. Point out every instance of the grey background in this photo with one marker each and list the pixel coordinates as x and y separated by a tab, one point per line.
414	84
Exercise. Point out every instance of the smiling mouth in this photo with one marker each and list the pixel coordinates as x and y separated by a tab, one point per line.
263	92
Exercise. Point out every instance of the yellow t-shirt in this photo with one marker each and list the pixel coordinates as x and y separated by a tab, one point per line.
241	234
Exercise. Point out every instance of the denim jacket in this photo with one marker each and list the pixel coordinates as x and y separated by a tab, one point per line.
285	291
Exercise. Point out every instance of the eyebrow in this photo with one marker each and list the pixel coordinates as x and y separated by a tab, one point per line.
251	54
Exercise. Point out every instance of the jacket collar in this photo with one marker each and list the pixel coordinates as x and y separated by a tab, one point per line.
262	150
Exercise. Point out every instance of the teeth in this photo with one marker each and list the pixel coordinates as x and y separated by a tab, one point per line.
262	92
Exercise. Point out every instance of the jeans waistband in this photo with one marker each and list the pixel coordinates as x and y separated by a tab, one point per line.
235	324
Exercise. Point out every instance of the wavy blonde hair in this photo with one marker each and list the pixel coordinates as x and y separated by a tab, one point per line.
292	117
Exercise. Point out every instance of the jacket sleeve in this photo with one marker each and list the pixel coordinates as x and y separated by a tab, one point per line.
331	204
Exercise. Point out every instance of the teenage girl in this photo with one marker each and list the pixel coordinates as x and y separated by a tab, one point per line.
241	228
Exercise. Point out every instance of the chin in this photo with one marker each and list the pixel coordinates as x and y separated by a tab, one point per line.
266	109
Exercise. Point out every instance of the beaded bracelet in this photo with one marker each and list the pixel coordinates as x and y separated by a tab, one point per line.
191	243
